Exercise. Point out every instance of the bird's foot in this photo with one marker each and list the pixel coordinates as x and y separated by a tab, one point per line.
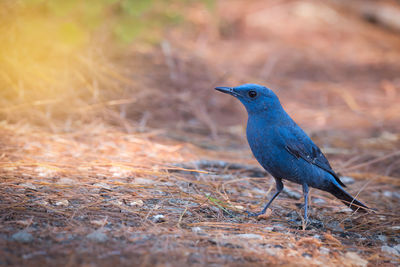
254	214
304	223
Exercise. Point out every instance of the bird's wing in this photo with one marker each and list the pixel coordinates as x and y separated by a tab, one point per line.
306	149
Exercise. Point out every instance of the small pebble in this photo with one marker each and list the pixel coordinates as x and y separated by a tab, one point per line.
347	180
324	250
66	181
345	210
306	255
118	202
335	226
102	185
22	236
396	195
158	218
61	203
382	218
382	238
318	201
97	236
137	203
291	193
390	250
250	236
143	181
197	229
279	227
28	185
387	194
99	222
34	254
272	251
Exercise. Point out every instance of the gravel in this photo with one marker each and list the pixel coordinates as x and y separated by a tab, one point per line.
98	236
22	237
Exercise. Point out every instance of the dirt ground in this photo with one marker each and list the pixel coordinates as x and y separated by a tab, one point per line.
167	183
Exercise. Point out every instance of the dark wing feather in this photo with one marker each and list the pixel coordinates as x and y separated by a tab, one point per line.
312	154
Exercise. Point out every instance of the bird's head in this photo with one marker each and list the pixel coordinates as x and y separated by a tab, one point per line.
254	97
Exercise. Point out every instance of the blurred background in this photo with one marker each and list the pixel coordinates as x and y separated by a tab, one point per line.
152	63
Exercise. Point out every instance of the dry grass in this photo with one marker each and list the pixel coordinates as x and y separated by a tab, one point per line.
97	196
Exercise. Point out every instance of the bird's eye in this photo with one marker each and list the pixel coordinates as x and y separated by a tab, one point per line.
252	94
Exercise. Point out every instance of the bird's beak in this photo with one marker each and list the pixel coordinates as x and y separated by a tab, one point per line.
226	90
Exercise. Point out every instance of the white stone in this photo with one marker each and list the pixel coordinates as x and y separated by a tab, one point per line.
158	218
390	250
250	236
97	236
22	236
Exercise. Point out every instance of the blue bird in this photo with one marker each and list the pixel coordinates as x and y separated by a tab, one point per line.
283	149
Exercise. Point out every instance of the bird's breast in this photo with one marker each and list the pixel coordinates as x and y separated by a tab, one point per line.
263	144
269	150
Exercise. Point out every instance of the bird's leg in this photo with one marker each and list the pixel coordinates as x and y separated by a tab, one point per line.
279	188
305	194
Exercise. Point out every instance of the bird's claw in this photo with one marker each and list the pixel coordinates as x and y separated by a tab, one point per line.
253	214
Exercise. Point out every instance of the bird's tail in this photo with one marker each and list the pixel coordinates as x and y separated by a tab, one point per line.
347	199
